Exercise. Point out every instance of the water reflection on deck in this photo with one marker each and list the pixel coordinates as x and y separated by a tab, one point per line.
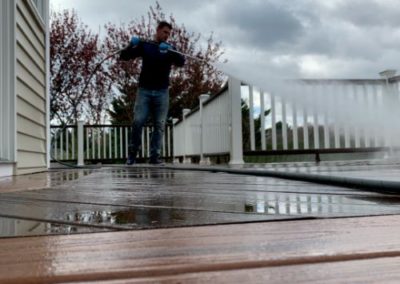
108	199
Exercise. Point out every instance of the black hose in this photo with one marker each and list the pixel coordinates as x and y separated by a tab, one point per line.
380	186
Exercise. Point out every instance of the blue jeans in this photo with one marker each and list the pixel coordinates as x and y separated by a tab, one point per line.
154	103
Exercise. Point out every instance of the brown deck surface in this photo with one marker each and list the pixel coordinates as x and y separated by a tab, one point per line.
339	249
157	225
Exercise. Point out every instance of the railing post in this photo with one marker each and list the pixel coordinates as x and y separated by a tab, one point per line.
388	104
185	111
80	142
236	152
174	160
202	99
251	118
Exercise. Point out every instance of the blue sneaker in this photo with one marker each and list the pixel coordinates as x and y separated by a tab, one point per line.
131	160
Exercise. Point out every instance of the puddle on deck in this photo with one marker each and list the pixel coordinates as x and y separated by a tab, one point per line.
11	227
139	198
41	180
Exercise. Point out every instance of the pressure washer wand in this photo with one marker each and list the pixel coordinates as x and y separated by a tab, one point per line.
189	56
170	49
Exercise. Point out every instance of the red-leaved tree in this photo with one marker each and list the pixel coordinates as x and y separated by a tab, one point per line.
78	87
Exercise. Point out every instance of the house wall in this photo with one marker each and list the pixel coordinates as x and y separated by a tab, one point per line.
30	87
7	82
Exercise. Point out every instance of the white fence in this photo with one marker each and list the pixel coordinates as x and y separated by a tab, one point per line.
101	142
208	129
213	117
303	116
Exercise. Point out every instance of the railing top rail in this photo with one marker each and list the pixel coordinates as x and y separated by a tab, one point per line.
394	79
212	97
342	81
102	125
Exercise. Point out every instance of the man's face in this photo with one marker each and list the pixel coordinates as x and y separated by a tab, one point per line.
163	33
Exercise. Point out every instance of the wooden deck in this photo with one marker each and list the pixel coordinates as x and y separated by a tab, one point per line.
340	250
118	225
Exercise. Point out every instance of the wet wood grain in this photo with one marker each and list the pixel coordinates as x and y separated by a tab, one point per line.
326	246
381	270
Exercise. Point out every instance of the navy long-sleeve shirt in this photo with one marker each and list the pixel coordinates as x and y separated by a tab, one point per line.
156	65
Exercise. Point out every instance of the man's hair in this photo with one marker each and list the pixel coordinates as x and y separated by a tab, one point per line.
164	24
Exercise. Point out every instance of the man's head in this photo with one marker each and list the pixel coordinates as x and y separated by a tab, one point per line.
163	31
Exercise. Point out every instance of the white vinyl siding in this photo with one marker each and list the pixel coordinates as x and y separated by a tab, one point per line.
30	89
7	81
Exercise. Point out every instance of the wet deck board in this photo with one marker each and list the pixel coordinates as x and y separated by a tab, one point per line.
97	207
320	250
136	198
385	270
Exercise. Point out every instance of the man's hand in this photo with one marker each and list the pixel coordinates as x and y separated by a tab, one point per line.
164	47
134	41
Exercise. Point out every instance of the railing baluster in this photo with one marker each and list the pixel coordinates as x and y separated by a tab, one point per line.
87	149
325	116
55	145
315	95
110	143
121	147
98	142
93	144
61	146
115	143
306	142
284	125
273	122
80	140
148	141
168	141
375	101
365	102
143	145
295	127
357	130
251	119
126	141
347	135
73	141
336	118
104	143
66	143
262	120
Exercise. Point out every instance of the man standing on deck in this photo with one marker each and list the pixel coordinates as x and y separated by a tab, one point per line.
152	97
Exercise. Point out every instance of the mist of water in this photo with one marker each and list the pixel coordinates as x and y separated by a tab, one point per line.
369	109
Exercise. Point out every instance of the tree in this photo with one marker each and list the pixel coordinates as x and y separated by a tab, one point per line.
76	88
195	78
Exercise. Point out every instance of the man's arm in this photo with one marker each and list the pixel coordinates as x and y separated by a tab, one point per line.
132	51
178	59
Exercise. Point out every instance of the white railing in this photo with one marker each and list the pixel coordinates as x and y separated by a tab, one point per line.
207	130
101	142
303	116
330	114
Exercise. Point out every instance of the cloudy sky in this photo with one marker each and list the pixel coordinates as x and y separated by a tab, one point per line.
276	38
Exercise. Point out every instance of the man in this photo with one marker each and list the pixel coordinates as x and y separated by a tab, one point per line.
152	97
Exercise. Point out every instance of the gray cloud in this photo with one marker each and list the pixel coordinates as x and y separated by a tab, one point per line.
262	24
302	38
370	13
